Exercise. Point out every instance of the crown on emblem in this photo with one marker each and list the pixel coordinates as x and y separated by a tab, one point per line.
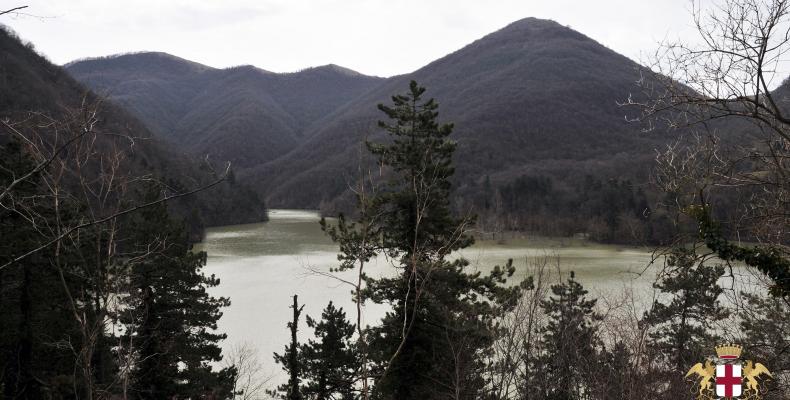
729	351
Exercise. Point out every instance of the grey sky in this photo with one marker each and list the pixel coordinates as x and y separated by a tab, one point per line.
371	36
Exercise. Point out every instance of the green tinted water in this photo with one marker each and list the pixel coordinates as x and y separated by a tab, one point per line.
261	265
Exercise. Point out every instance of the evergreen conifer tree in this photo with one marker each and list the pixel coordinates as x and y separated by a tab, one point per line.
35	319
615	376
291	359
331	362
765	333
569	343
682	329
173	316
429	346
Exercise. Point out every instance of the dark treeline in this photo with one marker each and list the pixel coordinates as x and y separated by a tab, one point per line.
109	310
603	210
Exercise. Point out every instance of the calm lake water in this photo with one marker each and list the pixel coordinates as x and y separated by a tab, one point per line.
262	265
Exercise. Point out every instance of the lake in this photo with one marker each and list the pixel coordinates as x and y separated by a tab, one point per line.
262	265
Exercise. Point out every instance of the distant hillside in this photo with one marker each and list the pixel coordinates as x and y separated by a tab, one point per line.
533	98
31	84
243	114
543	143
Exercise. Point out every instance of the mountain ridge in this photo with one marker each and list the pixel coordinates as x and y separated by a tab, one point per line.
534	97
241	113
30	85
539	68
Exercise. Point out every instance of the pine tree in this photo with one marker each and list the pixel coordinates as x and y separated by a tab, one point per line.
291	359
765	333
615	376
331	362
17	347
173	316
34	313
429	345
681	330
569	343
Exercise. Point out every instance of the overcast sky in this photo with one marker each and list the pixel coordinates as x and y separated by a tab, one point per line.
374	37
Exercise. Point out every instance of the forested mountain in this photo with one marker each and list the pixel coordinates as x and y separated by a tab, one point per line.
533	101
33	89
533	97
243	114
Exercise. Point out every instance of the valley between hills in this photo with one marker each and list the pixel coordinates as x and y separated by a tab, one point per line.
532	216
537	110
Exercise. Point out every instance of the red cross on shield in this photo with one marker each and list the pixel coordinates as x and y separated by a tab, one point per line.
728	381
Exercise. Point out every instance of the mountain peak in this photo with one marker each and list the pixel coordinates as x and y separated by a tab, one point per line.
151	61
537	28
140	55
510	94
534	22
247	68
332	68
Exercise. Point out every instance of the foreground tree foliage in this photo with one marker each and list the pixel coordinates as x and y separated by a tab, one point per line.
325	368
765	329
431	344
682	327
723	86
442	317
682	330
101	295
570	342
333	362
292	362
459	335
169	316
34	315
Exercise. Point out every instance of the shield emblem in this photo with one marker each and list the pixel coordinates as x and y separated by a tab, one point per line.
729	381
